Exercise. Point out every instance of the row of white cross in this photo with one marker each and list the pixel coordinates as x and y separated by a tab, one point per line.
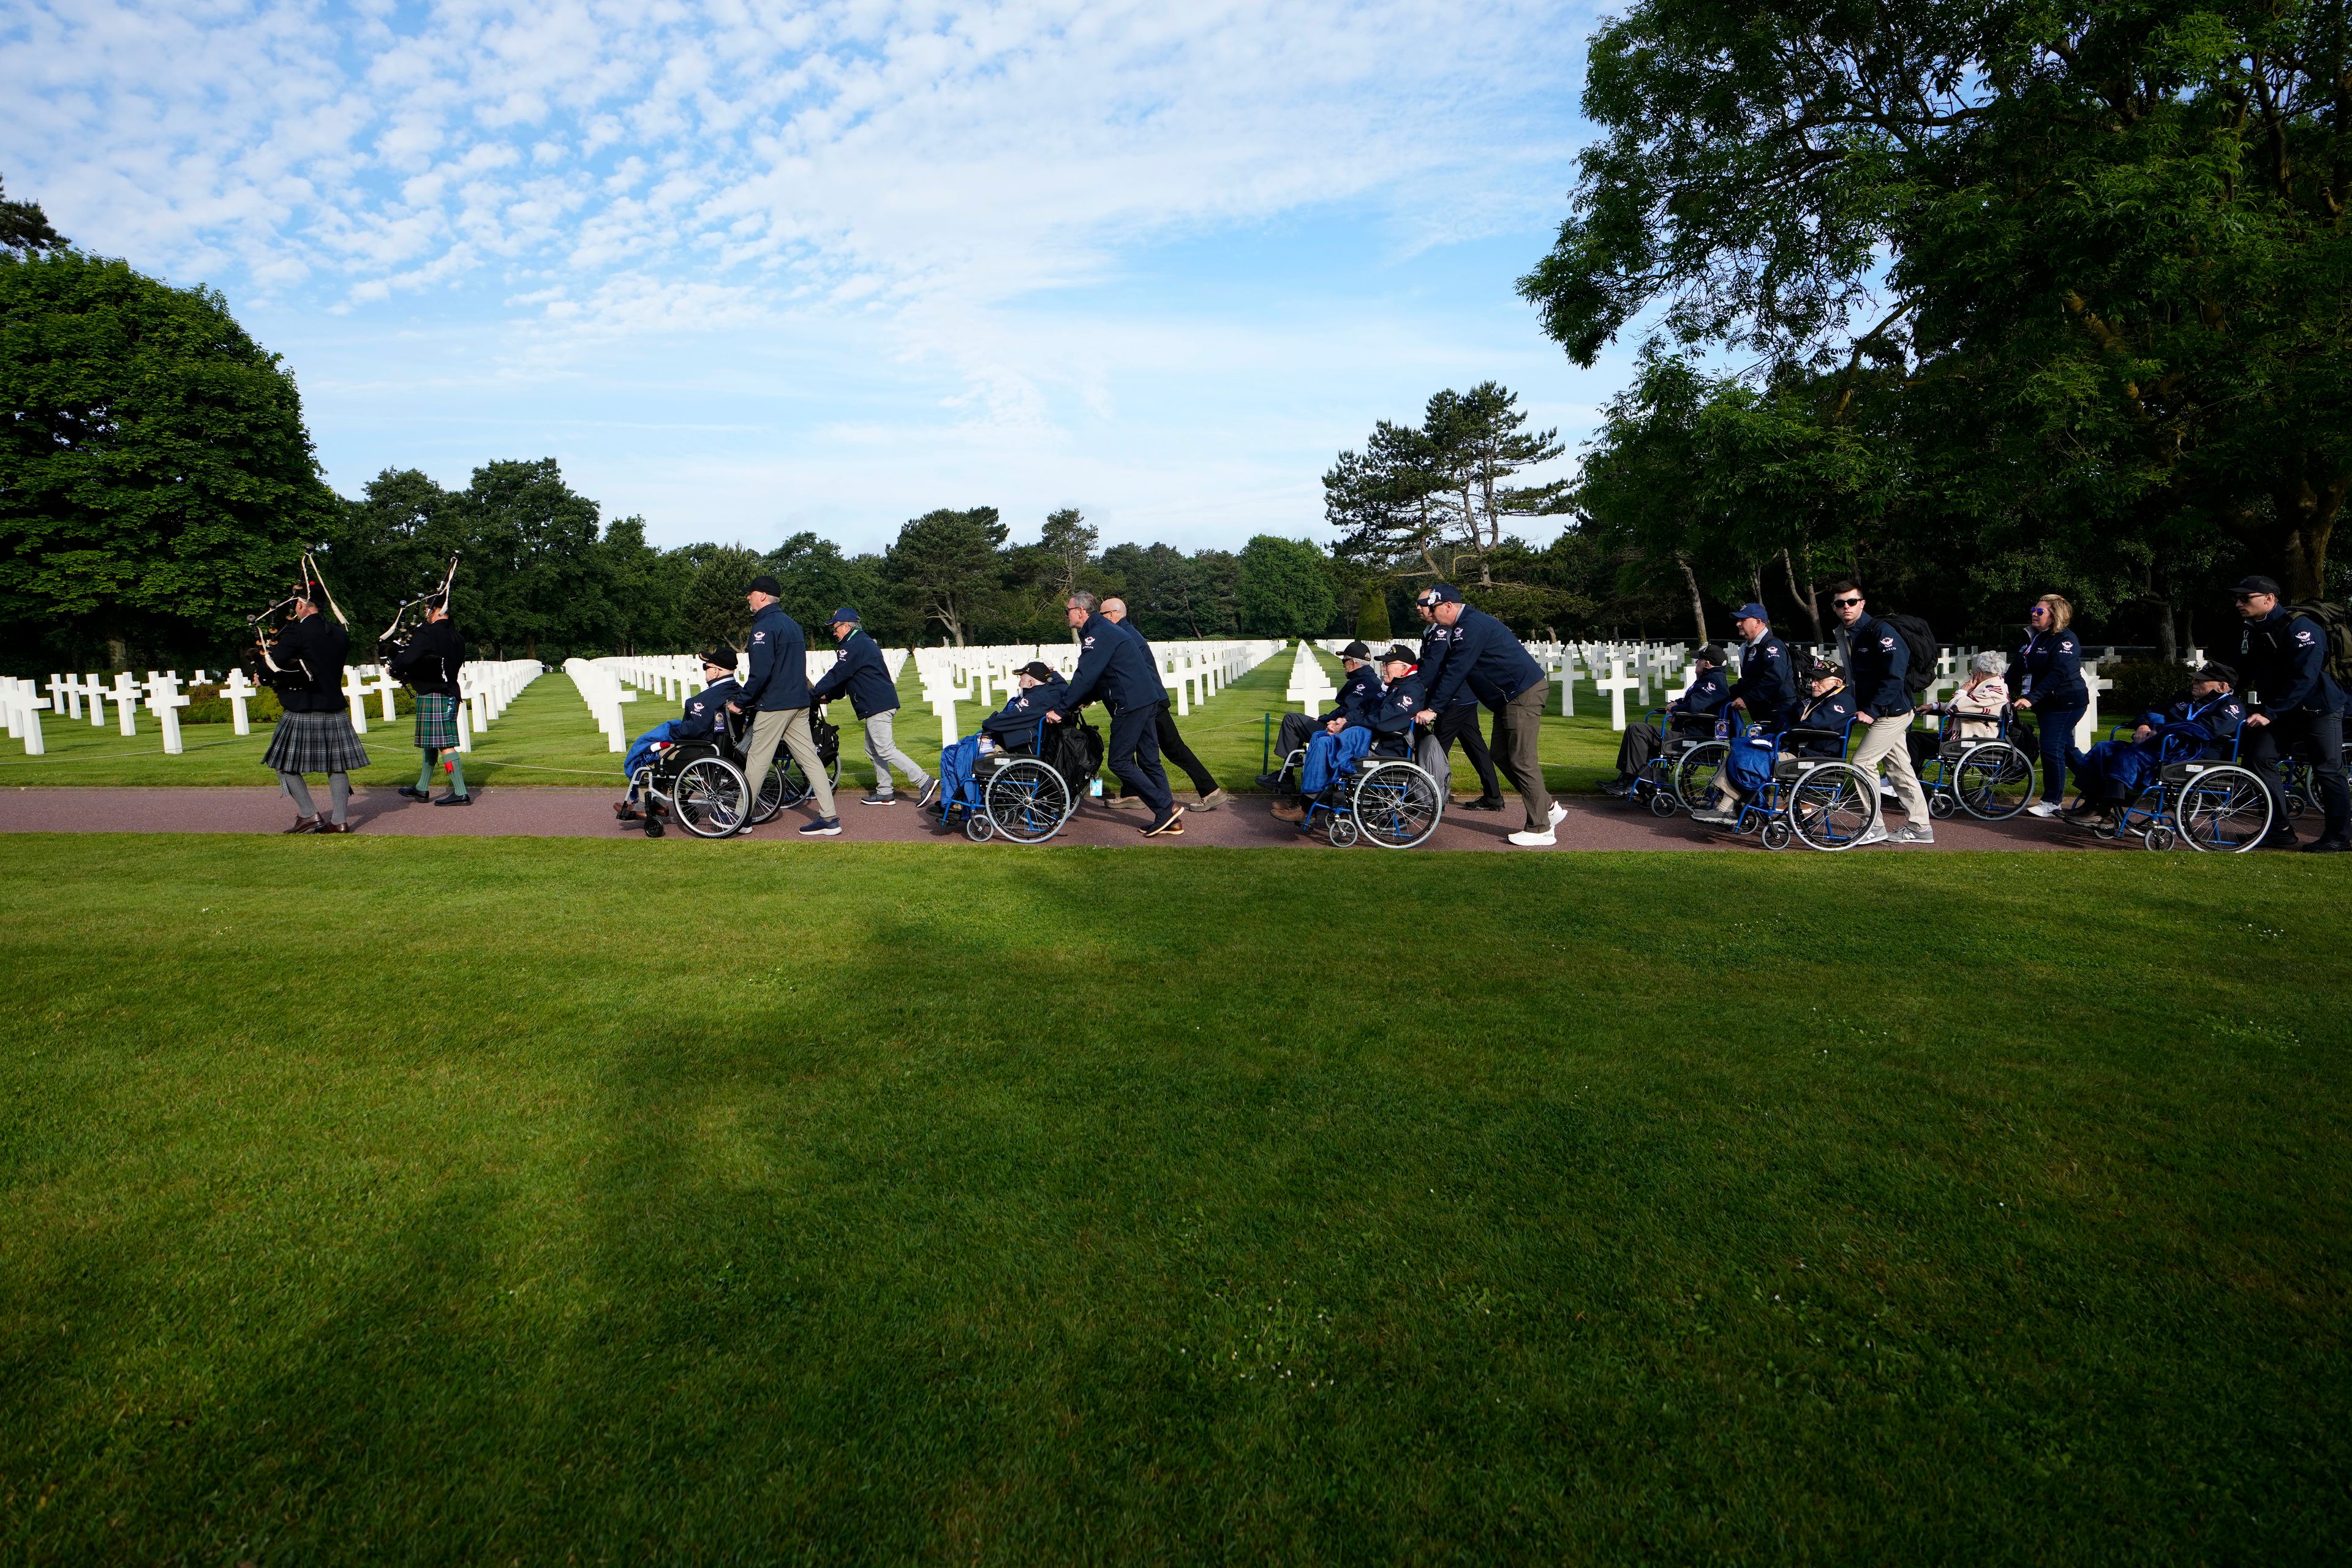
485	687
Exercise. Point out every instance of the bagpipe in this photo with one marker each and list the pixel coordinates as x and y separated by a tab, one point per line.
260	659
410	618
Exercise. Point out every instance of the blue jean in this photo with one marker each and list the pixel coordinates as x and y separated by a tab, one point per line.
1328	754
2056	727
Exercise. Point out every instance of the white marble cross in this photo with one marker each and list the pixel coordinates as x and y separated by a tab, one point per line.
385	686
1568	685
355	691
1615	687
239	691
65	692
126	703
164	700
2088	724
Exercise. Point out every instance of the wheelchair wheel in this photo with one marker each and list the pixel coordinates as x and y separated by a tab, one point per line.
1397	804
2146	811
1776	835
1342	831
2224	810
787	785
1663	803
1026	801
711	798
1833	806
2158	837
1994	782
978	829
1941	804
1694	773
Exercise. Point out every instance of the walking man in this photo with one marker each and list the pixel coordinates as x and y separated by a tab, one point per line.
1171	744
776	693
1458	721
862	673
429	665
1112	666
2283	659
1483	659
1876	659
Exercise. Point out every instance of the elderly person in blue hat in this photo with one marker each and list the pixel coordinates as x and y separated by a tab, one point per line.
861	673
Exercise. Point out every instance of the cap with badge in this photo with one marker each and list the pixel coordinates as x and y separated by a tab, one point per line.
844	614
764	583
1355	651
2258	584
1400	653
1713	654
1444	594
1038	670
1752	613
2215	671
721	656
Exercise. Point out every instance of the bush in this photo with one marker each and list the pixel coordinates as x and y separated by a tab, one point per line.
2141	686
207	706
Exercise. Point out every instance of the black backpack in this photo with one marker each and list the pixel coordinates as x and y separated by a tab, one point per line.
1920	639
2338	623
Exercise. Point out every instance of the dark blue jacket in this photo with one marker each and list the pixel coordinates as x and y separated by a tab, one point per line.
1706	696
1767	682
779	676
1876	660
705	711
1359	696
1115	668
863	675
1436	644
2284	658
2048	672
1391	715
1831	713
2219	716
1018	719
1485	658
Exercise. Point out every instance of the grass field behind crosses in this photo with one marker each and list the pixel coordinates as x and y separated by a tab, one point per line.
550	1201
547	737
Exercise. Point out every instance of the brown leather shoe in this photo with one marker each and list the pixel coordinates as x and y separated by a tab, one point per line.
306	824
1290	810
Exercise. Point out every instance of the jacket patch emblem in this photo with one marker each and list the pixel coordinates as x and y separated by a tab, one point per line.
759	636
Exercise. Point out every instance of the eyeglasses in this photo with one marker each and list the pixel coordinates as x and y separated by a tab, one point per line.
2039	610
2245	598
1845	604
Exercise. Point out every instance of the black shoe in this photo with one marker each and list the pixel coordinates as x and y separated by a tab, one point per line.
2327	846
931	794
872	799
306	825
336	827
1484	804
2280	838
1268	781
454	800
411	792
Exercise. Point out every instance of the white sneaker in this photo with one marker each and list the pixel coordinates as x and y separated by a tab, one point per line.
2043	808
1525	840
1877	834
1559	813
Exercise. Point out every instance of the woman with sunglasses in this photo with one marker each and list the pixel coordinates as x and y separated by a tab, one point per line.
2048	679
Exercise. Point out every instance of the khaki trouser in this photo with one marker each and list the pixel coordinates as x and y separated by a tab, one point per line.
1517	729
792	728
1884	743
883	751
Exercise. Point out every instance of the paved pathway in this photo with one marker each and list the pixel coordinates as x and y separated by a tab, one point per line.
541	812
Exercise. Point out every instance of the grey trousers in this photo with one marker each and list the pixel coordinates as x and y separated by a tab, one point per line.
884	755
1518	728
790	727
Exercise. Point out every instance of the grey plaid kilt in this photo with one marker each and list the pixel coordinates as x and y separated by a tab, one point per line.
437	722
314	743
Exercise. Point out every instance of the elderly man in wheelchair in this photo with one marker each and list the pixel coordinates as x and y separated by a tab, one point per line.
709	801
1357	776
1019	776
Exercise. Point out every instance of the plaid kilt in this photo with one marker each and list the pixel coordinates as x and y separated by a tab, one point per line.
314	743
437	722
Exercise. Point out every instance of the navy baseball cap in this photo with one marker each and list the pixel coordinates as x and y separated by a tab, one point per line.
844	614
1444	593
1751	612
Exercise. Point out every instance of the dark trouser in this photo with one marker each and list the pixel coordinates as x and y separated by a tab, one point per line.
1296	730
1518	728
1460	721
2056	726
1635	751
2317	738
1134	755
1172	747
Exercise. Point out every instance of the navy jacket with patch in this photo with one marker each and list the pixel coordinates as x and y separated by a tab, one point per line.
1392	716
1487	659
1876	660
706	711
1767	682
2283	659
1359	696
861	673
2048	672
1706	698
1018	719
778	675
1436	644
1115	668
1832	714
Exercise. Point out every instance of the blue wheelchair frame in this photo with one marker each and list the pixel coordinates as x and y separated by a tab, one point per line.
2183	770
1030	823
1659	784
1769	810
1346	815
1943	790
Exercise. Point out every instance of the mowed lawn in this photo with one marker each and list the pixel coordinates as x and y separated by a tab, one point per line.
550	1201
546	737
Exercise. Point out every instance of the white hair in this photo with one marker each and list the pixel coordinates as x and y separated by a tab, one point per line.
1989	663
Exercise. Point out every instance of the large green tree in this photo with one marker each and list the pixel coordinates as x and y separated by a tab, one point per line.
1283	588
1434	501
946	562
156	479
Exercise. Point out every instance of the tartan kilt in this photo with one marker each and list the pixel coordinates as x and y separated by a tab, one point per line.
314	743
437	722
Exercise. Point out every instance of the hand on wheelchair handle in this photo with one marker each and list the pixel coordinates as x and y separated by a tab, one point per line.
1426	716
2257	720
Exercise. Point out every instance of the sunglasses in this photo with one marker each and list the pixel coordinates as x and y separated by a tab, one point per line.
2243	598
1845	603
2039	610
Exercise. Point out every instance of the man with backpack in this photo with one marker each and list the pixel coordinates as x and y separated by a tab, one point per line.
2291	658
1880	663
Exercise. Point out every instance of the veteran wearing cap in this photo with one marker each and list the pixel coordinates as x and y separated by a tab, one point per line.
1767	687
776	694
703	714
1359	695
862	675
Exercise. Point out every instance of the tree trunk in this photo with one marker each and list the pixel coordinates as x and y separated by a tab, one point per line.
1699	605
1805	596
2167	649
117	654
2309	512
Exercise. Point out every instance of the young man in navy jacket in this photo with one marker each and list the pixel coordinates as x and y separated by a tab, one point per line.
2283	660
1876	659
776	694
862	675
1487	661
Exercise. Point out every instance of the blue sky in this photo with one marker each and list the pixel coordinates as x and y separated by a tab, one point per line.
748	267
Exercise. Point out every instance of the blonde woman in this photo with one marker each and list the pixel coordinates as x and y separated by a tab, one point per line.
2047	678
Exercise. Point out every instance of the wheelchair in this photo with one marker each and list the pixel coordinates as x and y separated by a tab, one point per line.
1990	777
1684	771
2298	791
2216	805
1026	791
1822	802
700	783
1384	798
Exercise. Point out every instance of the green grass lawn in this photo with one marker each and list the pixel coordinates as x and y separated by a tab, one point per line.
553	1201
546	737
